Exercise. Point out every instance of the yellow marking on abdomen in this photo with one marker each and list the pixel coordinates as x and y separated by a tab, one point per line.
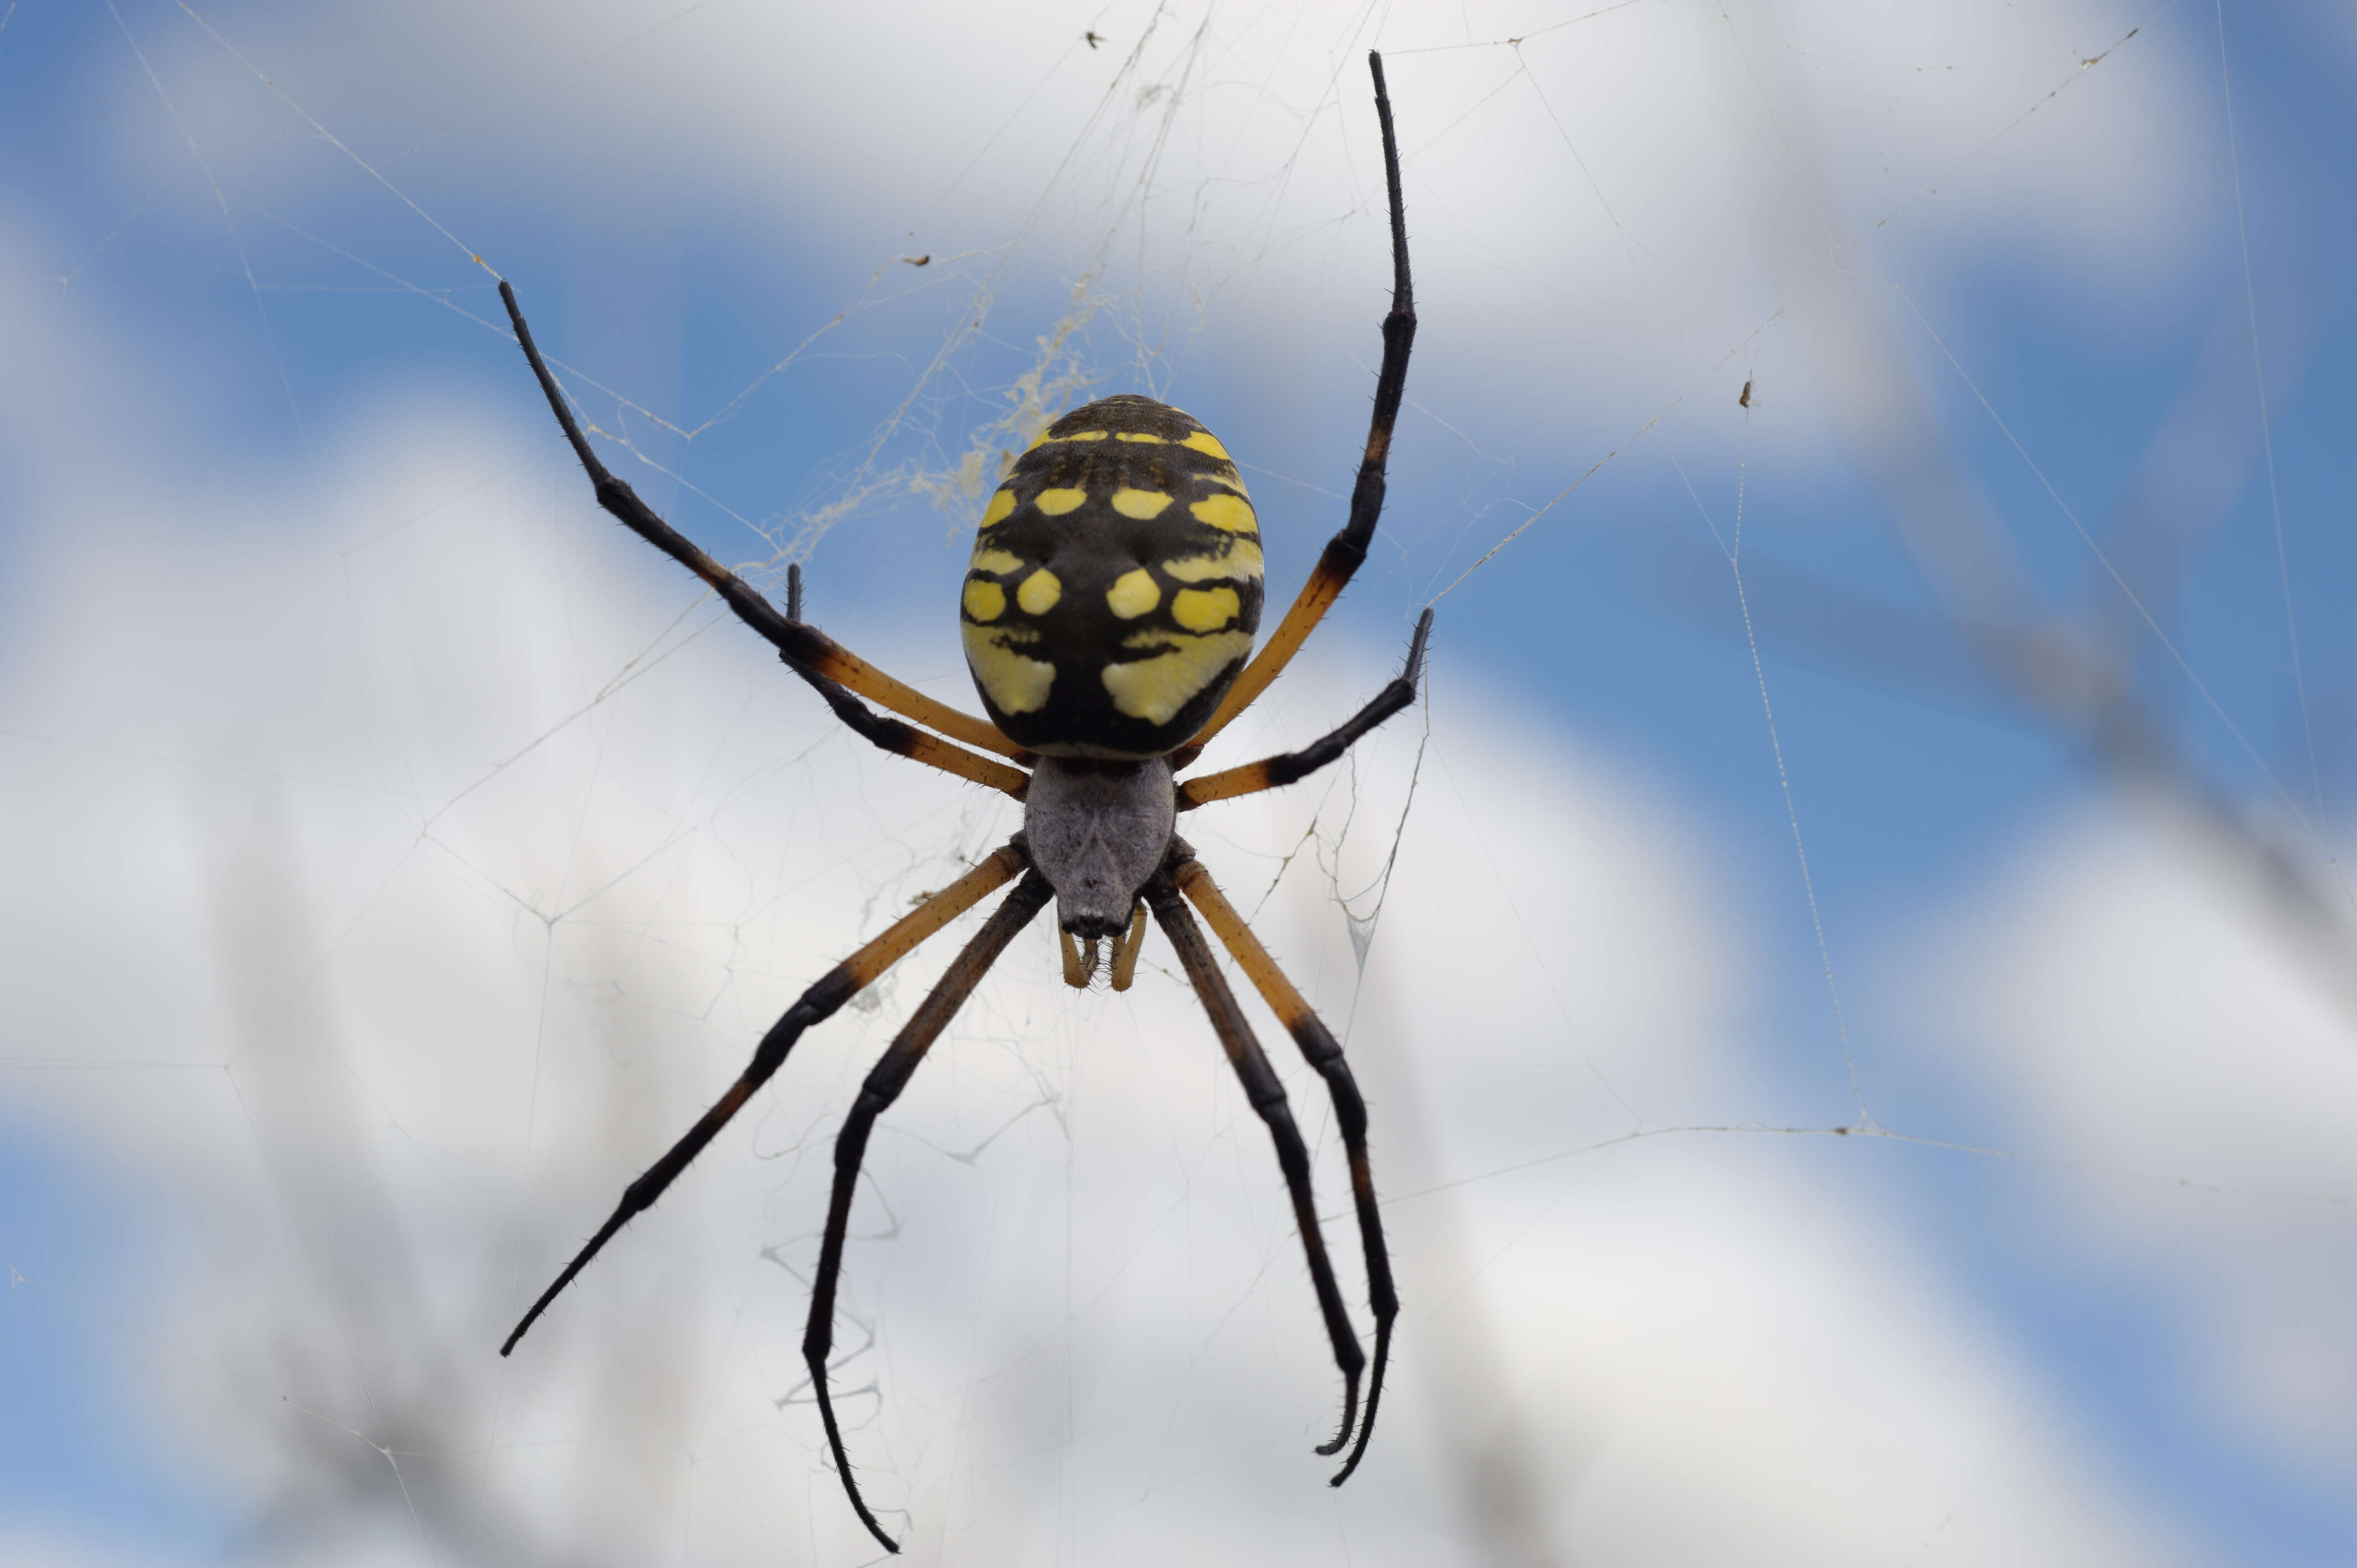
1140	504
1242	559
1056	503
1155	689
1204	609
1001	506
1136	436
1132	594
1204	441
1230	513
998	562
1014	683
985	600
1043	439
1040	593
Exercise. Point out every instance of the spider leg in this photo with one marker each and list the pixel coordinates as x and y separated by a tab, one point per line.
1267	1097
909	741
1322	1052
1347	549
833	989
1275	772
811	652
885	1081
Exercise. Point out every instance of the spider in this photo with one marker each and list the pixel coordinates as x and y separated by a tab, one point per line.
1111	601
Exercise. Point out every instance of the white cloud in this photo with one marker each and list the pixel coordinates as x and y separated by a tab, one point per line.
2129	997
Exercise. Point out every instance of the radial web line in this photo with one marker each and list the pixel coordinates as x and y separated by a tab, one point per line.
1734	552
2266	424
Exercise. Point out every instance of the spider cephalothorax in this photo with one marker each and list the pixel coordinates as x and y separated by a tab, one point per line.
1096	830
1112	599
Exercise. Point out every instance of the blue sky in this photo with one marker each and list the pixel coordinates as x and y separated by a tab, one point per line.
344	738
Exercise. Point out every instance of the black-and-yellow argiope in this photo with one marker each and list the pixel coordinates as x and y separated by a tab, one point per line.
1113	595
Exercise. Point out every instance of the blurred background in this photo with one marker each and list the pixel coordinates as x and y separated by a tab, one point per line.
1851	962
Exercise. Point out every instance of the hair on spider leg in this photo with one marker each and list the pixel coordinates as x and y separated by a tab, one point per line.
1101	677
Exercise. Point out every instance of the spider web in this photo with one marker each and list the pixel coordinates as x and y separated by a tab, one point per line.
1849	959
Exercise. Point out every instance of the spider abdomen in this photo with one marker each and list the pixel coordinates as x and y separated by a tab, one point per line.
1115	584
